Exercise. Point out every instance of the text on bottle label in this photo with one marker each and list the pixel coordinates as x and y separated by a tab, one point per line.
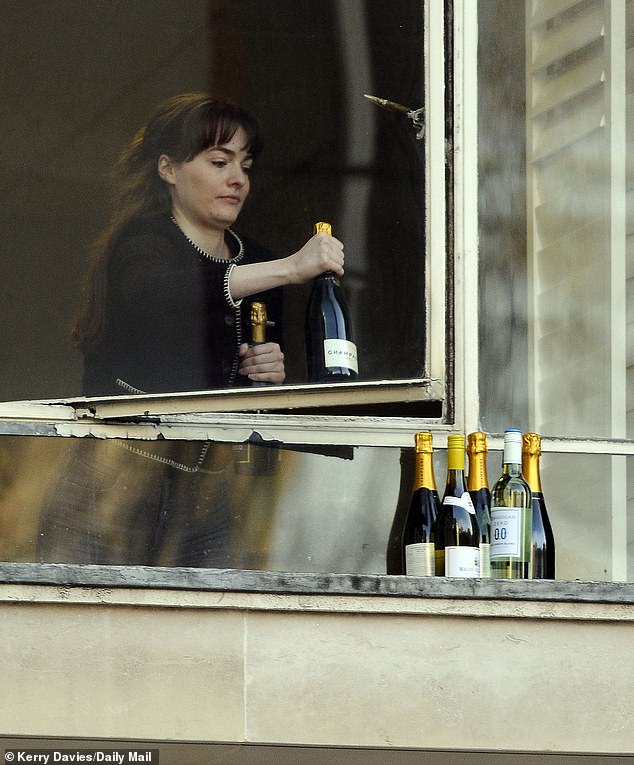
341	353
506	532
420	560
462	561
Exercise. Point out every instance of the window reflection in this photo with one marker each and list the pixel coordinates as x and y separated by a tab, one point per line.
212	505
251	506
88	82
119	503
556	259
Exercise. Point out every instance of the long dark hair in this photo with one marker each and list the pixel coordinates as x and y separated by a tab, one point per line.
181	128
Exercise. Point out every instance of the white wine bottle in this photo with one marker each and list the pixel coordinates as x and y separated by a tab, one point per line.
511	515
542	558
478	485
418	549
455	533
331	353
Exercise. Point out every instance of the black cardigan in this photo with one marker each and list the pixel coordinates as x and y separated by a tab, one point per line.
170	323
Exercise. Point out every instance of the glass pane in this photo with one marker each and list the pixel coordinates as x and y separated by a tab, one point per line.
555	230
196	504
79	79
255	507
581	513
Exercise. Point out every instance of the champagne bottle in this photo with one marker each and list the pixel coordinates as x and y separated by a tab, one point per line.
331	354
252	458
259	323
478	486
542	557
455	533
511	515
418	549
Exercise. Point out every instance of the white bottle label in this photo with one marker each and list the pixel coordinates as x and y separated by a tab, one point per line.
506	532
462	561
341	353
464	501
420	559
485	560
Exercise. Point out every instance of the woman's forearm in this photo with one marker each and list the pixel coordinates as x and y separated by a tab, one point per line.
257	277
320	253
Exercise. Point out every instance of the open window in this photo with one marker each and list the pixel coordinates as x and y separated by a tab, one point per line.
78	85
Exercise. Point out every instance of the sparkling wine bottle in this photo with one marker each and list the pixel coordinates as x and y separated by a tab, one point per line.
259	322
542	557
478	486
455	533
331	354
251	458
418	549
511	515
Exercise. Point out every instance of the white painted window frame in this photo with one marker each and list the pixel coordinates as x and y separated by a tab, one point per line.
236	415
229	415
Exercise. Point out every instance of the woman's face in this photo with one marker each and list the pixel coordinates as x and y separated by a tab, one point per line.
210	189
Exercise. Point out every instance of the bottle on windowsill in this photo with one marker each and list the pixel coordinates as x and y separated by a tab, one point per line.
478	486
542	556
455	533
511	515
331	353
417	547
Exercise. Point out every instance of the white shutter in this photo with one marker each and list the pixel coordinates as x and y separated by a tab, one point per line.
580	177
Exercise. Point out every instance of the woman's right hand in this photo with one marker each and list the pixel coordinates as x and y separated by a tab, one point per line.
321	253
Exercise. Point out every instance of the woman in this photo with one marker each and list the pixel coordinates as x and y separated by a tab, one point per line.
163	308
163	312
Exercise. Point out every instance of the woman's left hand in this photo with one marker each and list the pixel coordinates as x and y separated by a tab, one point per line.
262	363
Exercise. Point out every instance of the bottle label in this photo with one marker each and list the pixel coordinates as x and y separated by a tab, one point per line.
420	559
485	560
341	353
506	532
464	501
462	561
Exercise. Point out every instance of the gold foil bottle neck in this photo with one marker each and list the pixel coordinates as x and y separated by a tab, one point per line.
477	443
477	450
424	472
323	227
424	443
258	322
531	451
532	444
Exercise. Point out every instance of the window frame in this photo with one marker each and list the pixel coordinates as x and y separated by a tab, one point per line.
452	351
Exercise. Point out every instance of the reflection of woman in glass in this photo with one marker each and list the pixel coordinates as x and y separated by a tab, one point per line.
162	311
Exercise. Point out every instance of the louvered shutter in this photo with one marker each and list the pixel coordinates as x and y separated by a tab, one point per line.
581	242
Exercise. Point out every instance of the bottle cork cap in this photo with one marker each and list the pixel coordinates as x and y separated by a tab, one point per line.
532	443
423	442
323	227
477	443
